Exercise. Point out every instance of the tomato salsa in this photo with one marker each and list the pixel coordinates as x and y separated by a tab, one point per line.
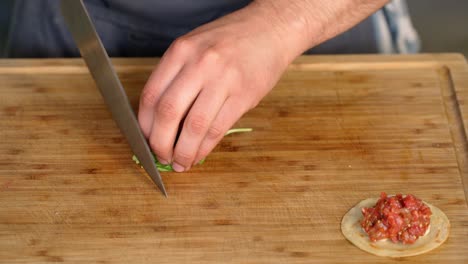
398	218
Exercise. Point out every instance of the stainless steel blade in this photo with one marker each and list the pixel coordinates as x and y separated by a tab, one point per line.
82	29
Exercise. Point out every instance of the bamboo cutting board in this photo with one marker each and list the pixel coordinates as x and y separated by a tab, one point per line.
335	130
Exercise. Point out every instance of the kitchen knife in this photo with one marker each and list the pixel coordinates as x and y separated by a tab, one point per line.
86	38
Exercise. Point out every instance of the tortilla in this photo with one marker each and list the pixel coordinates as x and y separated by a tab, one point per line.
351	228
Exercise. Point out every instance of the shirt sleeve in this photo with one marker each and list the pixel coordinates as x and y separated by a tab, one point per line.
394	29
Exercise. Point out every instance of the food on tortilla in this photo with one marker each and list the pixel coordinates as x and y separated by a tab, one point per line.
398	218
396	226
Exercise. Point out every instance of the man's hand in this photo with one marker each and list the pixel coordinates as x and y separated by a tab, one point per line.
210	77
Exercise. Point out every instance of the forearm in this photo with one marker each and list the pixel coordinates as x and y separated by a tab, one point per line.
303	24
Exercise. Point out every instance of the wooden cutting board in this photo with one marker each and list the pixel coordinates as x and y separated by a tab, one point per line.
335	130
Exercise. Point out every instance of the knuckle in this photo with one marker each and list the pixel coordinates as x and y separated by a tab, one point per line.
197	124
214	133
183	45
148	97
159	153
211	56
232	72
183	158
167	109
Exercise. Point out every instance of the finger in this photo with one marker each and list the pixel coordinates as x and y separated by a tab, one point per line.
196	125
231	111
155	86
171	109
168	68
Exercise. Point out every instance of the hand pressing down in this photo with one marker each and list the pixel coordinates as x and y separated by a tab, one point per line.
204	83
210	77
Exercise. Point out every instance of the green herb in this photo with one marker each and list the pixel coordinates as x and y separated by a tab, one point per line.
168	167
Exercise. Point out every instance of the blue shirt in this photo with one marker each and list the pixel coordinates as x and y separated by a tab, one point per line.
144	28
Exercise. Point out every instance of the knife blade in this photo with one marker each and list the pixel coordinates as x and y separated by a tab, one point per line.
92	50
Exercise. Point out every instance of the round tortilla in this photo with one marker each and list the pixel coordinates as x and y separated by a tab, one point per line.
351	228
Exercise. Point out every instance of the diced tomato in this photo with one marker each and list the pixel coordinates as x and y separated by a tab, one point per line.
398	218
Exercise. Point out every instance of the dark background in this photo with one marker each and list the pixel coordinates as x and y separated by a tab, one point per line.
5	7
442	24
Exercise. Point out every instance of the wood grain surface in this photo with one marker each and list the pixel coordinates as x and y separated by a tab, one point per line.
334	131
